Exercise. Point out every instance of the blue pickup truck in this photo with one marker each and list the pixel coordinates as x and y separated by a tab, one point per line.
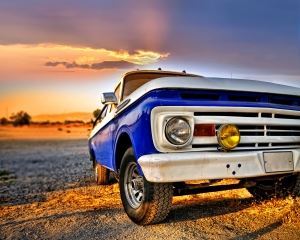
165	134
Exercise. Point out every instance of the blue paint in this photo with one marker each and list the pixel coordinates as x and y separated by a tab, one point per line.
135	120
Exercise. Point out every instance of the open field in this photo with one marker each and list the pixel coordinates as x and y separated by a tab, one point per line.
47	192
48	131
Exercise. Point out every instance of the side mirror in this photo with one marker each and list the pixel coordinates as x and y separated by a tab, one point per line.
108	98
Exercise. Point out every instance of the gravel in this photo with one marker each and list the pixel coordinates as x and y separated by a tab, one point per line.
47	192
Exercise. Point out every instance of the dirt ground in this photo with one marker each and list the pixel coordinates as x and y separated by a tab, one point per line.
47	192
37	132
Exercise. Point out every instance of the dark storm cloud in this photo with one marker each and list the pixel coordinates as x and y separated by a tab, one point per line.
97	66
112	64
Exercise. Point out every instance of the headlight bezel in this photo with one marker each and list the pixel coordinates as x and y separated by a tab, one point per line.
171	139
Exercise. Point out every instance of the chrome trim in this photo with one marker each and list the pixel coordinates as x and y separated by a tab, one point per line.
158	125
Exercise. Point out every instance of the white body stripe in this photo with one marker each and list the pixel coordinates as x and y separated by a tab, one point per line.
105	120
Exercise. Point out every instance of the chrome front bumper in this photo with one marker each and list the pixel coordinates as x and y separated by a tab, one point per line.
178	167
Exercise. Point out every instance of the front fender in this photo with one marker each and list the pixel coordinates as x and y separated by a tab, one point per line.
135	122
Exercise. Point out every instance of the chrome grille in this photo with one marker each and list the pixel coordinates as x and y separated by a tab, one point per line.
259	128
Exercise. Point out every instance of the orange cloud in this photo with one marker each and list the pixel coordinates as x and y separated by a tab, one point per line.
33	61
96	66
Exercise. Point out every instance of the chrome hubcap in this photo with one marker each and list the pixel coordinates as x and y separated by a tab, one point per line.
134	186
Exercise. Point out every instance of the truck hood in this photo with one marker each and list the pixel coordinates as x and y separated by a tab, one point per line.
210	84
220	84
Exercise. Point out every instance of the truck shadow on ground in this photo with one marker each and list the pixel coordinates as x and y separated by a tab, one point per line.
183	212
260	232
54	217
203	208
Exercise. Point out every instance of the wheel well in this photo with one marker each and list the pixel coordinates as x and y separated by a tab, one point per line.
92	154
123	144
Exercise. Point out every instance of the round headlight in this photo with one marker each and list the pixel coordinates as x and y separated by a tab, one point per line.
228	136
178	131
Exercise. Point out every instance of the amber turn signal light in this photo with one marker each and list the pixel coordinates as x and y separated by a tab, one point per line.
205	130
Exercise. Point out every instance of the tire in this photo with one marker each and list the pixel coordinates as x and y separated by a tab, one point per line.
281	188
101	174
296	190
144	202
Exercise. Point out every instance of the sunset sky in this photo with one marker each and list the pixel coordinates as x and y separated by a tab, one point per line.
57	56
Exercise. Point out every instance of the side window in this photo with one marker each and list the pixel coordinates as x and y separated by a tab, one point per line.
108	109
104	112
118	91
101	115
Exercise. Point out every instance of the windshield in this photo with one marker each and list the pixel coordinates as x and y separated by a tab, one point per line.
134	81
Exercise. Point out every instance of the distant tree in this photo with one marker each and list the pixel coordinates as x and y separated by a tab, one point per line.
4	121
96	112
21	118
73	122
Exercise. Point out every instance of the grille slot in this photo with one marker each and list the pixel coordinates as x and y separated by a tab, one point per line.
251	133
266	115
287	144
226	114
287	116
285	128
283	133
205	146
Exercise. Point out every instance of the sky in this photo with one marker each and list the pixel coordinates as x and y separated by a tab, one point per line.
57	56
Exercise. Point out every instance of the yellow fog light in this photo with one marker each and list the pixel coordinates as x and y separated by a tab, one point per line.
228	136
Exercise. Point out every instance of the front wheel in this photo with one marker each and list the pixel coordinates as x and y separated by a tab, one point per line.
144	202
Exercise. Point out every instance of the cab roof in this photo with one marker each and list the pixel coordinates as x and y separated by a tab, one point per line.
159	72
